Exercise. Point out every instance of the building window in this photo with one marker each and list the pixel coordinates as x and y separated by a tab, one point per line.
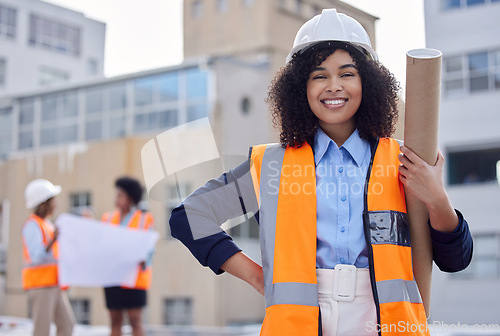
80	202
474	72
51	76
478	71
454	4
197	94
316	10
496	68
8	18
450	4
26	123
59	118
197	9
485	262
469	167
54	36
143	91
6	123
156	100
3	71
81	309
105	108
245	106
299	6
178	311
197	83
222	6
475	2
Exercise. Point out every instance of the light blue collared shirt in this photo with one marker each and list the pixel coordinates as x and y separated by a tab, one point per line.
340	181
33	238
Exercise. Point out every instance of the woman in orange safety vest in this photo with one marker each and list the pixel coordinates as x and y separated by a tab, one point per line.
329	198
49	302
122	299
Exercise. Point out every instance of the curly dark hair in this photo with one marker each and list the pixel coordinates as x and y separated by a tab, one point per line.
131	187
287	97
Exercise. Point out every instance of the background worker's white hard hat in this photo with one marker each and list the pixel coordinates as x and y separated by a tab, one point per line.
332	26
38	191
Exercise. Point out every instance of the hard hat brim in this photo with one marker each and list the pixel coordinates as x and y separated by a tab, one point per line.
56	190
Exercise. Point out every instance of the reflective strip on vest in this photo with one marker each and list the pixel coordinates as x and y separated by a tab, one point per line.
138	220
43	274
286	190
291	292
397	293
398	290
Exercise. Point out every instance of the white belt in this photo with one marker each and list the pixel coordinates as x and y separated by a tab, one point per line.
344	282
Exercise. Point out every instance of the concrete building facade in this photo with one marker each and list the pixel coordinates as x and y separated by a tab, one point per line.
109	121
255	28
468	34
46	45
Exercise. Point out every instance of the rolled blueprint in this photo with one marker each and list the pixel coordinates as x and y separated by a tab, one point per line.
423	81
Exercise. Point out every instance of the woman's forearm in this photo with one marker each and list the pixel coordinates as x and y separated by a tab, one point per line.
244	268
442	215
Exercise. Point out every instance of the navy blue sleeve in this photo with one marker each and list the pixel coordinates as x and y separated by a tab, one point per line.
196	222
211	251
452	251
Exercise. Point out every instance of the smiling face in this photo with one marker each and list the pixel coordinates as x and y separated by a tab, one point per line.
334	94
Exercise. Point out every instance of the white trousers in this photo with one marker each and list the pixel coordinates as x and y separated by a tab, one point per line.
51	304
346	301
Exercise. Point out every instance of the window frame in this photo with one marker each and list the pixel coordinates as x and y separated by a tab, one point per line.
467	74
473	272
188	303
46	33
8	30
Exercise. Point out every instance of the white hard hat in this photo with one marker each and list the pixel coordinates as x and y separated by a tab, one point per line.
332	26
38	191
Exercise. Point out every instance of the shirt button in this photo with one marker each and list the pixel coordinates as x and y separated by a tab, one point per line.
342	260
343	198
341	169
342	229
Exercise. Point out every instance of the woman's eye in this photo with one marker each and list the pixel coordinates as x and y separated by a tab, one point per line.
347	75
319	77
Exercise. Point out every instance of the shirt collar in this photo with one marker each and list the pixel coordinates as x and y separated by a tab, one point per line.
354	145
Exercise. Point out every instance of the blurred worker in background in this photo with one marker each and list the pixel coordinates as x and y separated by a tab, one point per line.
120	299
49	301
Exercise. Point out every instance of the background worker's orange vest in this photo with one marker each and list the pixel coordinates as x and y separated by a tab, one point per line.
285	184
139	220
43	274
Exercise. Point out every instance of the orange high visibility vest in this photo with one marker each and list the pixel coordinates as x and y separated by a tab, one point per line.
42	274
138	221
285	184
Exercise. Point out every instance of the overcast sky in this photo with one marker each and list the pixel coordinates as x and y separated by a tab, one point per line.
145	34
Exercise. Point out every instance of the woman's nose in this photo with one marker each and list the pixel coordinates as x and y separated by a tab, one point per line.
334	85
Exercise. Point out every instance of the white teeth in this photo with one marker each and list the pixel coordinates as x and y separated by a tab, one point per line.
333	101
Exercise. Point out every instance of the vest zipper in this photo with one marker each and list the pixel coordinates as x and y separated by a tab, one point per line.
366	226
